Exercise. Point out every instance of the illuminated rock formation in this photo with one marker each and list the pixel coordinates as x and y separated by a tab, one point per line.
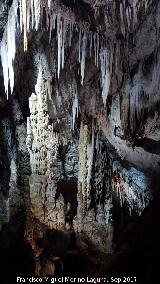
80	127
42	144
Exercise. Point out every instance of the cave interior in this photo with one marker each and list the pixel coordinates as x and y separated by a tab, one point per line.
80	140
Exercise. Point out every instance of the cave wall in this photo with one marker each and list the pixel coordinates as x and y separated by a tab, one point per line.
80	122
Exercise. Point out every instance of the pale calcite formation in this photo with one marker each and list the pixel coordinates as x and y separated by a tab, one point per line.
8	47
42	143
92	222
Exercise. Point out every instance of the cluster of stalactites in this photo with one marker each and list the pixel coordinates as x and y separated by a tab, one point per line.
129	13
130	186
8	48
29	9
97	47
30	17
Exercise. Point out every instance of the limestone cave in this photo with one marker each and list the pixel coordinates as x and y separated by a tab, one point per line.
79	141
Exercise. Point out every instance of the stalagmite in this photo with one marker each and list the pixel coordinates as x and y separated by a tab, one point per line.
42	144
86	152
90	154
82	182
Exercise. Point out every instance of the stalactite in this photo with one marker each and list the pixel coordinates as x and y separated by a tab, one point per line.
28	15
4	59
80	41
74	105
121	18
129	13
49	3
91	44
105	79
83	56
24	19
63	42
32	13
70	33
59	36
52	24
96	49
37	13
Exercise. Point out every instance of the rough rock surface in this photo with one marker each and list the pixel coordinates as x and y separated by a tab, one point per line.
80	130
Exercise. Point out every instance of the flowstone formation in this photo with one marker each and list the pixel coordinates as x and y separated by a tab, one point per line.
81	131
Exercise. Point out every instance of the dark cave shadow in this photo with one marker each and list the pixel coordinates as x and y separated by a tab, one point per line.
68	188
80	257
148	145
16	257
